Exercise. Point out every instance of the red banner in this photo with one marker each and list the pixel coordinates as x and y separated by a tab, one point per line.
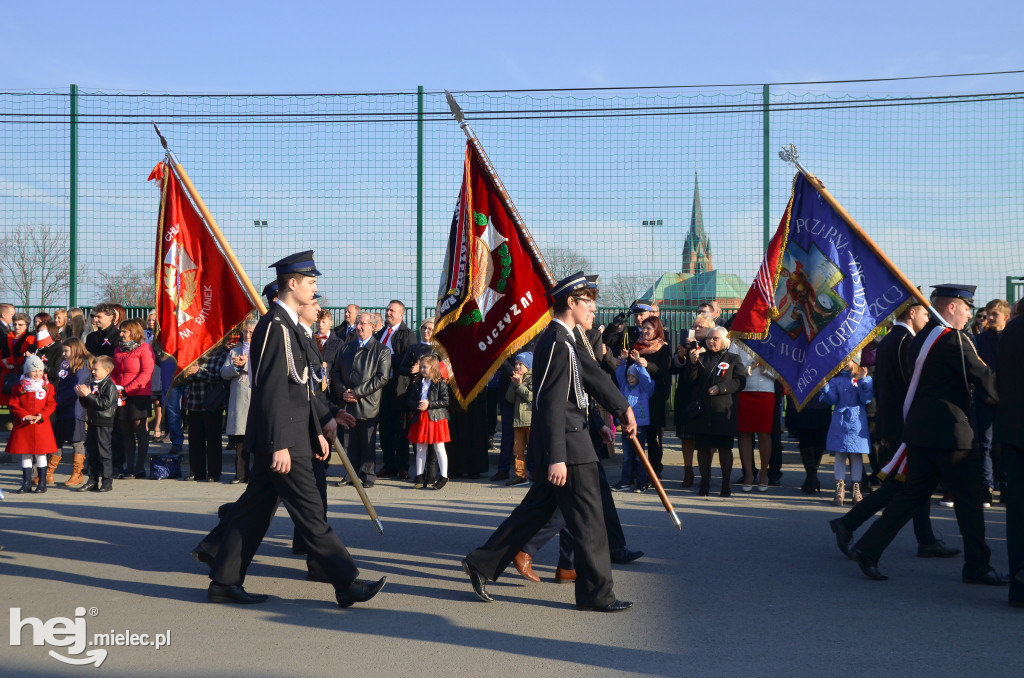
493	299
198	295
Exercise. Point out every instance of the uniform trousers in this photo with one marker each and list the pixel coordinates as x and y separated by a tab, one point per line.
320	477
249	518
879	499
1012	460
960	470
616	537
580	503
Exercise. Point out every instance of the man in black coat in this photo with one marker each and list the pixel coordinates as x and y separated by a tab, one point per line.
396	337
106	336
561	444
1009	435
893	371
358	376
346	330
283	431
939	439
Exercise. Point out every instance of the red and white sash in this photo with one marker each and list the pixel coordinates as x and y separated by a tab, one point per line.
899	460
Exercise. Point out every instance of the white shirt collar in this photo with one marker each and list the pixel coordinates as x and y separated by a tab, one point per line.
291	314
909	328
308	330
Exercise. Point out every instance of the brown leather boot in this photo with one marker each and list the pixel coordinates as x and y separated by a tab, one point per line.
51	467
76	479
565	576
524	563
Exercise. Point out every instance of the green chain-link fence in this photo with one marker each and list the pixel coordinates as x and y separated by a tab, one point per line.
606	181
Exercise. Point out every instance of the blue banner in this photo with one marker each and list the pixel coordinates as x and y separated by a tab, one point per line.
832	292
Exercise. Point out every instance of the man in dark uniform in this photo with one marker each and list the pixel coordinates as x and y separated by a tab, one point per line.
282	428
270	292
939	439
1009	435
588	345
893	371
561	444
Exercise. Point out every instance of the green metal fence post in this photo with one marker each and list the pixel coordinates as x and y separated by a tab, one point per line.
73	204
419	207
766	192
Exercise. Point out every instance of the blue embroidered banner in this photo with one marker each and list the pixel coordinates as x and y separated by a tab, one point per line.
831	294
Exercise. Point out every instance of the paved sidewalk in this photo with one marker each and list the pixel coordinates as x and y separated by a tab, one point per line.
753	585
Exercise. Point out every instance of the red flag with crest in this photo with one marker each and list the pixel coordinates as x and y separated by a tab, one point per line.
199	297
493	298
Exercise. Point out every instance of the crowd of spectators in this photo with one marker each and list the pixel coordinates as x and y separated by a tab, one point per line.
373	366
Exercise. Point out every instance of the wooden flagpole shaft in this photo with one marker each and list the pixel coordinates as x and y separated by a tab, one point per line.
657	483
855	227
211	223
358	484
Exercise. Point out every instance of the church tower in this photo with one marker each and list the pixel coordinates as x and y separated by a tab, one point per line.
697	248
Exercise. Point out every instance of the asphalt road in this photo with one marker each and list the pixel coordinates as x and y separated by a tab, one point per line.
752	585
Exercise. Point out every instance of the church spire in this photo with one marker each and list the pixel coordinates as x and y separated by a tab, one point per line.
697	247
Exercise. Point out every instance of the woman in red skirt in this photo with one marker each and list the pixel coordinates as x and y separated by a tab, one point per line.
429	394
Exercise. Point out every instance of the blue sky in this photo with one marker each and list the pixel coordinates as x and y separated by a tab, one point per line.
374	46
567	177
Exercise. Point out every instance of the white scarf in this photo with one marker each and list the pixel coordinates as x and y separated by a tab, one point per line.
32	385
899	460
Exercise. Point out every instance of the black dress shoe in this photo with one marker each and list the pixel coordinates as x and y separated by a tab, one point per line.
844	537
141	475
624	555
936	550
868	566
499	476
516	480
990	578
219	593
202	555
478	580
367	484
617	606
359	591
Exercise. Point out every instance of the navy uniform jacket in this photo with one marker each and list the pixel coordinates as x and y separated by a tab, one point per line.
1009	425
893	370
938	417
559	433
282	413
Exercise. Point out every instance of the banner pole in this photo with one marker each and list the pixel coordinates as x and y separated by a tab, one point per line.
549	279
657	483
211	224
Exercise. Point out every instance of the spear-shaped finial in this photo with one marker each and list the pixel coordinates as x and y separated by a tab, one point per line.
456	109
163	142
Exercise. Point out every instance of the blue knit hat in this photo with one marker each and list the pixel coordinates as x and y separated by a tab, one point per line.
526	358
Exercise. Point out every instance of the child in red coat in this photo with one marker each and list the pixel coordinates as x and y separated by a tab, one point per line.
32	402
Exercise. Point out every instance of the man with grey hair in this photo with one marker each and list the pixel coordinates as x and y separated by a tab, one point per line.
359	373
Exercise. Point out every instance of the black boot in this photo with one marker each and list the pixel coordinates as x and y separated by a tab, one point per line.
26	481
418	482
107	486
91	486
41	473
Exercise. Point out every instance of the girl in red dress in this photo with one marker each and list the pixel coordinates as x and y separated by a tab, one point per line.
31	404
429	395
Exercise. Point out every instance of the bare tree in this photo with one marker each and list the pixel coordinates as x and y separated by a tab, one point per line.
128	286
37	260
623	290
563	261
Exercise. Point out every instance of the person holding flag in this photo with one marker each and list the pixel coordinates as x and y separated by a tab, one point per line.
283	431
938	438
562	445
